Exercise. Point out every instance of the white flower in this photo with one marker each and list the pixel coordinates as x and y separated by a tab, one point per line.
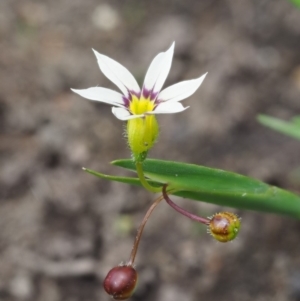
136	102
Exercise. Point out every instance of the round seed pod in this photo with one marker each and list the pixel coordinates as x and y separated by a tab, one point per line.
120	282
224	226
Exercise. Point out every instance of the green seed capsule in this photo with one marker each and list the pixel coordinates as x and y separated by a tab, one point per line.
120	282
224	226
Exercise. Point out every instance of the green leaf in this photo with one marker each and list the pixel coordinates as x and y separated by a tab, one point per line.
296	120
296	2
212	186
126	180
288	128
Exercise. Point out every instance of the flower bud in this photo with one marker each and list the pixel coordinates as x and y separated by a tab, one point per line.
120	282
142	133
224	226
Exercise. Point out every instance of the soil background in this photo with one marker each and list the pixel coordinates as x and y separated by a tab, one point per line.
61	230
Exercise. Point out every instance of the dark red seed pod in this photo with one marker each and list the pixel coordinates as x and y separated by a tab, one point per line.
120	282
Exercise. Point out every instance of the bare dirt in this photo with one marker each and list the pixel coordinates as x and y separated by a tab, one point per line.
61	229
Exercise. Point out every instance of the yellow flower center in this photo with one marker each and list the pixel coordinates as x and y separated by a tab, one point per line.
140	105
141	132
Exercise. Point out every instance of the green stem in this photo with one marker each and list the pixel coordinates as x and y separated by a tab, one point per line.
140	172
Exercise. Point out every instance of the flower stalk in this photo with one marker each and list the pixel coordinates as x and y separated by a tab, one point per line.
140	172
140	231
192	216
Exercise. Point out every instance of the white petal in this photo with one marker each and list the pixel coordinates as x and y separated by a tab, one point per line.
159	70
181	90
101	94
123	114
117	73
168	108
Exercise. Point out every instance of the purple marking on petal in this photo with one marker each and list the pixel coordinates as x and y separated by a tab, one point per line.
146	93
137	94
153	95
158	102
126	101
149	94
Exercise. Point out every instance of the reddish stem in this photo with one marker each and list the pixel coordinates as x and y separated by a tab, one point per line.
194	217
140	231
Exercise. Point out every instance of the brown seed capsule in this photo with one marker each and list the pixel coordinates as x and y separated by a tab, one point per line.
120	282
224	226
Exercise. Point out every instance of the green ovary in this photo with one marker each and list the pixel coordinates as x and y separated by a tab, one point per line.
141	132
